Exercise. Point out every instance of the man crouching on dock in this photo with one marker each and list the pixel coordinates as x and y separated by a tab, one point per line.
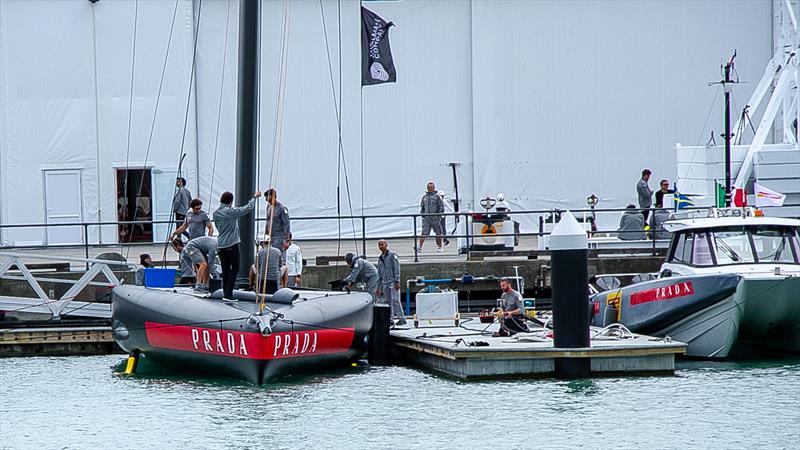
511	322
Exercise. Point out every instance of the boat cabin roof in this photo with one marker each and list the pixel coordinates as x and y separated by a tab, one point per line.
720	222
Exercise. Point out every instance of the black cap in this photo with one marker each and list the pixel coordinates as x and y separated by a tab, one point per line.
348	258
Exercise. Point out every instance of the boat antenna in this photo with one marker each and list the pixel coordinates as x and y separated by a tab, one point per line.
727	85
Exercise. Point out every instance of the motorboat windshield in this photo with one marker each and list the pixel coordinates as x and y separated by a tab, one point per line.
751	244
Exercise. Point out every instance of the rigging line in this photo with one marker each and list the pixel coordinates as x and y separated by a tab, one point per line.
153	122
277	141
339	129
219	103
130	115
341	160
703	130
181	152
341	146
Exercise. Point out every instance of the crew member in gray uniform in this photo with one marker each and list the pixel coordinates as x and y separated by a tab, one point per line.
431	203
511	303
269	259
644	192
180	202
281	226
197	258
631	225
362	271
226	218
196	222
389	281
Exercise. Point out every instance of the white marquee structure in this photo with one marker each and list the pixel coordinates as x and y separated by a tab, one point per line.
545	101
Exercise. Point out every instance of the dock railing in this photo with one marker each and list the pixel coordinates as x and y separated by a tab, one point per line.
363	228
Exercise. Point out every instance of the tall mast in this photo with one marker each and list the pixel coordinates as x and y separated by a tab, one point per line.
727	85
247	126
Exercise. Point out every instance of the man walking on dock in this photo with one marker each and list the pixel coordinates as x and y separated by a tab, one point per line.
431	204
389	281
226	218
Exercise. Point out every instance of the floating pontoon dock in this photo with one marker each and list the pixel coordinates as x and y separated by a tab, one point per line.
470	352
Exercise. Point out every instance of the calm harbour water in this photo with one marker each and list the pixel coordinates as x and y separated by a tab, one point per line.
78	402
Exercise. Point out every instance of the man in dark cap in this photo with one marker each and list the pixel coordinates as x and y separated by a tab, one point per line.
362	271
145	262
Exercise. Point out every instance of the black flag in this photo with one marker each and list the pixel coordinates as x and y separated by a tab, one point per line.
377	65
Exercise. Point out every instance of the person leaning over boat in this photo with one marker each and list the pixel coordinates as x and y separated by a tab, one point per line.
644	192
185	267
281	227
294	262
196	222
180	202
511	321
197	257
631	225
226	218
389	281
145	262
432	204
362	271
269	260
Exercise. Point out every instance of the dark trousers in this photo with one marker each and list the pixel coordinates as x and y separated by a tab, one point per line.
645	213
229	258
179	219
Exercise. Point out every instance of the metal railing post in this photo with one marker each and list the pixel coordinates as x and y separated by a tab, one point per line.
467	227
364	235
416	253
86	243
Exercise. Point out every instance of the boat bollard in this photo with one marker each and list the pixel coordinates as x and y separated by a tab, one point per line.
378	347
568	278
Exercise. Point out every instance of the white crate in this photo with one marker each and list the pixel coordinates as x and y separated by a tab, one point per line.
437	309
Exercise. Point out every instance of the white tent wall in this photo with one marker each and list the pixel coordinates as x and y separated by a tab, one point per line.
573	98
545	101
47	108
55	117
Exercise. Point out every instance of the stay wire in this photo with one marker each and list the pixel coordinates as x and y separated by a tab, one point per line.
219	103
153	125
337	103
130	119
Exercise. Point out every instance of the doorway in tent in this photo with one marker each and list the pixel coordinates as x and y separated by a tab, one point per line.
135	204
63	201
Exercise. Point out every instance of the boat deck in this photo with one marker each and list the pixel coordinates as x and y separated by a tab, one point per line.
469	351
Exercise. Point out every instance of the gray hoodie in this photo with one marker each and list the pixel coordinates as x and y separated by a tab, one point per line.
389	268
431	203
631	222
644	193
226	218
365	272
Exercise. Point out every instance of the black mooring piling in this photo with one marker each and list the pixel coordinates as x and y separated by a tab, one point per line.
378	347
568	278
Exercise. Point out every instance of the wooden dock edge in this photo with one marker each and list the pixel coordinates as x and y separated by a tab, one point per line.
66	341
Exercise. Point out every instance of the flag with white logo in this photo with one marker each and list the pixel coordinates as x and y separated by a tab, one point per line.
767	197
377	65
